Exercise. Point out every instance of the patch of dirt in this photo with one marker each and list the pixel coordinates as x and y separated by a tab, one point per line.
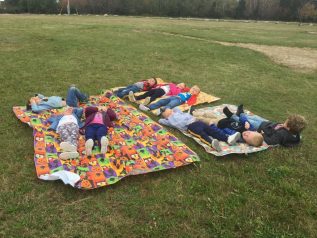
300	59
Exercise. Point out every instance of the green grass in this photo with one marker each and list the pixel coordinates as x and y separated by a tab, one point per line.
268	194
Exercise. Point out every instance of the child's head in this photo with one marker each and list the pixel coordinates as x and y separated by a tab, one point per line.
152	81
68	111
295	123
181	85
253	138
195	90
167	113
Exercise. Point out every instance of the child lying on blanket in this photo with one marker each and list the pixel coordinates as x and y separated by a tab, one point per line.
230	127
171	102
96	128
67	126
40	103
286	134
160	90
144	85
209	134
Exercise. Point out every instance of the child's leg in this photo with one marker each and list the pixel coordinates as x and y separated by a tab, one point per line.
174	102
90	136
125	91
157	94
102	139
101	131
145	95
255	121
74	95
196	129
73	134
159	104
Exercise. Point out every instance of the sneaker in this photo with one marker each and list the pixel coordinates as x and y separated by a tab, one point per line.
144	108
68	147
147	101
104	144
68	155
216	145
234	138
88	146
240	110
157	112
227	112
131	97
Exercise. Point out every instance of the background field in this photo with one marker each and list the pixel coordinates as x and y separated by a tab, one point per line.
269	194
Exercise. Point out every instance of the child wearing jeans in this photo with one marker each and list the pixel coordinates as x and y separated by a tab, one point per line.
40	103
174	101
170	89
144	85
285	134
209	134
67	126
96	128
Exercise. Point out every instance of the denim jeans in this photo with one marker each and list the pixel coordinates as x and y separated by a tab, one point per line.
74	96
205	131
254	120
125	91
170	102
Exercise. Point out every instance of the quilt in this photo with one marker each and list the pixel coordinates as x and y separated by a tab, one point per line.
138	145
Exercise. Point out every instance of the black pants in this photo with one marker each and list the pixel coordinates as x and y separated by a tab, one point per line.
153	94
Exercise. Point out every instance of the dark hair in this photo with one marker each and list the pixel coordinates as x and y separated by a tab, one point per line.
28	105
296	123
155	80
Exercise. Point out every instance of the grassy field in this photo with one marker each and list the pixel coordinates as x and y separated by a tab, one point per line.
268	194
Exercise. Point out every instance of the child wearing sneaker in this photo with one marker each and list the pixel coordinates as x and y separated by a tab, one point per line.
144	85
96	128
209	134
286	134
67	126
174	101
40	103
170	89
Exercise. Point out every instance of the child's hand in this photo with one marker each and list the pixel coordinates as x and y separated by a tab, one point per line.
247	125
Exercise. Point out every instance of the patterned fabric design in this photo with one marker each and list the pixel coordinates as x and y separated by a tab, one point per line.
137	145
239	148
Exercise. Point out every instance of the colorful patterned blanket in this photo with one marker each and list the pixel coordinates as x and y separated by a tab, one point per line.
201	99
215	113
137	145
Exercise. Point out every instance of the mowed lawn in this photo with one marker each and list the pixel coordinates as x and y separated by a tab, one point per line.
268	194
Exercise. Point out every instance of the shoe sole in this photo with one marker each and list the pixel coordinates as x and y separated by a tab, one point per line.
146	101
216	145
67	147
131	97
88	146
104	145
68	155
235	139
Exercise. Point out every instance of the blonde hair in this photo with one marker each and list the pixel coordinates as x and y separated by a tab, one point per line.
196	88
257	140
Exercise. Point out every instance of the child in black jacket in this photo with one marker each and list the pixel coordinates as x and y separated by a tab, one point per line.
286	134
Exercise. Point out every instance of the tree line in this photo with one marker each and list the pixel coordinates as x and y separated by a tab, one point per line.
285	10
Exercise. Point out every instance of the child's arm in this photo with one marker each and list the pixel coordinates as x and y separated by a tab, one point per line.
192	100
112	115
165	122
78	112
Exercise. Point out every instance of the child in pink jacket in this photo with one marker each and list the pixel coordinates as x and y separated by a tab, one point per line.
169	89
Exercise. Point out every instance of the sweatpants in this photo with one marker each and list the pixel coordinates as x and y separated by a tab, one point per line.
153	94
69	133
204	132
95	132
